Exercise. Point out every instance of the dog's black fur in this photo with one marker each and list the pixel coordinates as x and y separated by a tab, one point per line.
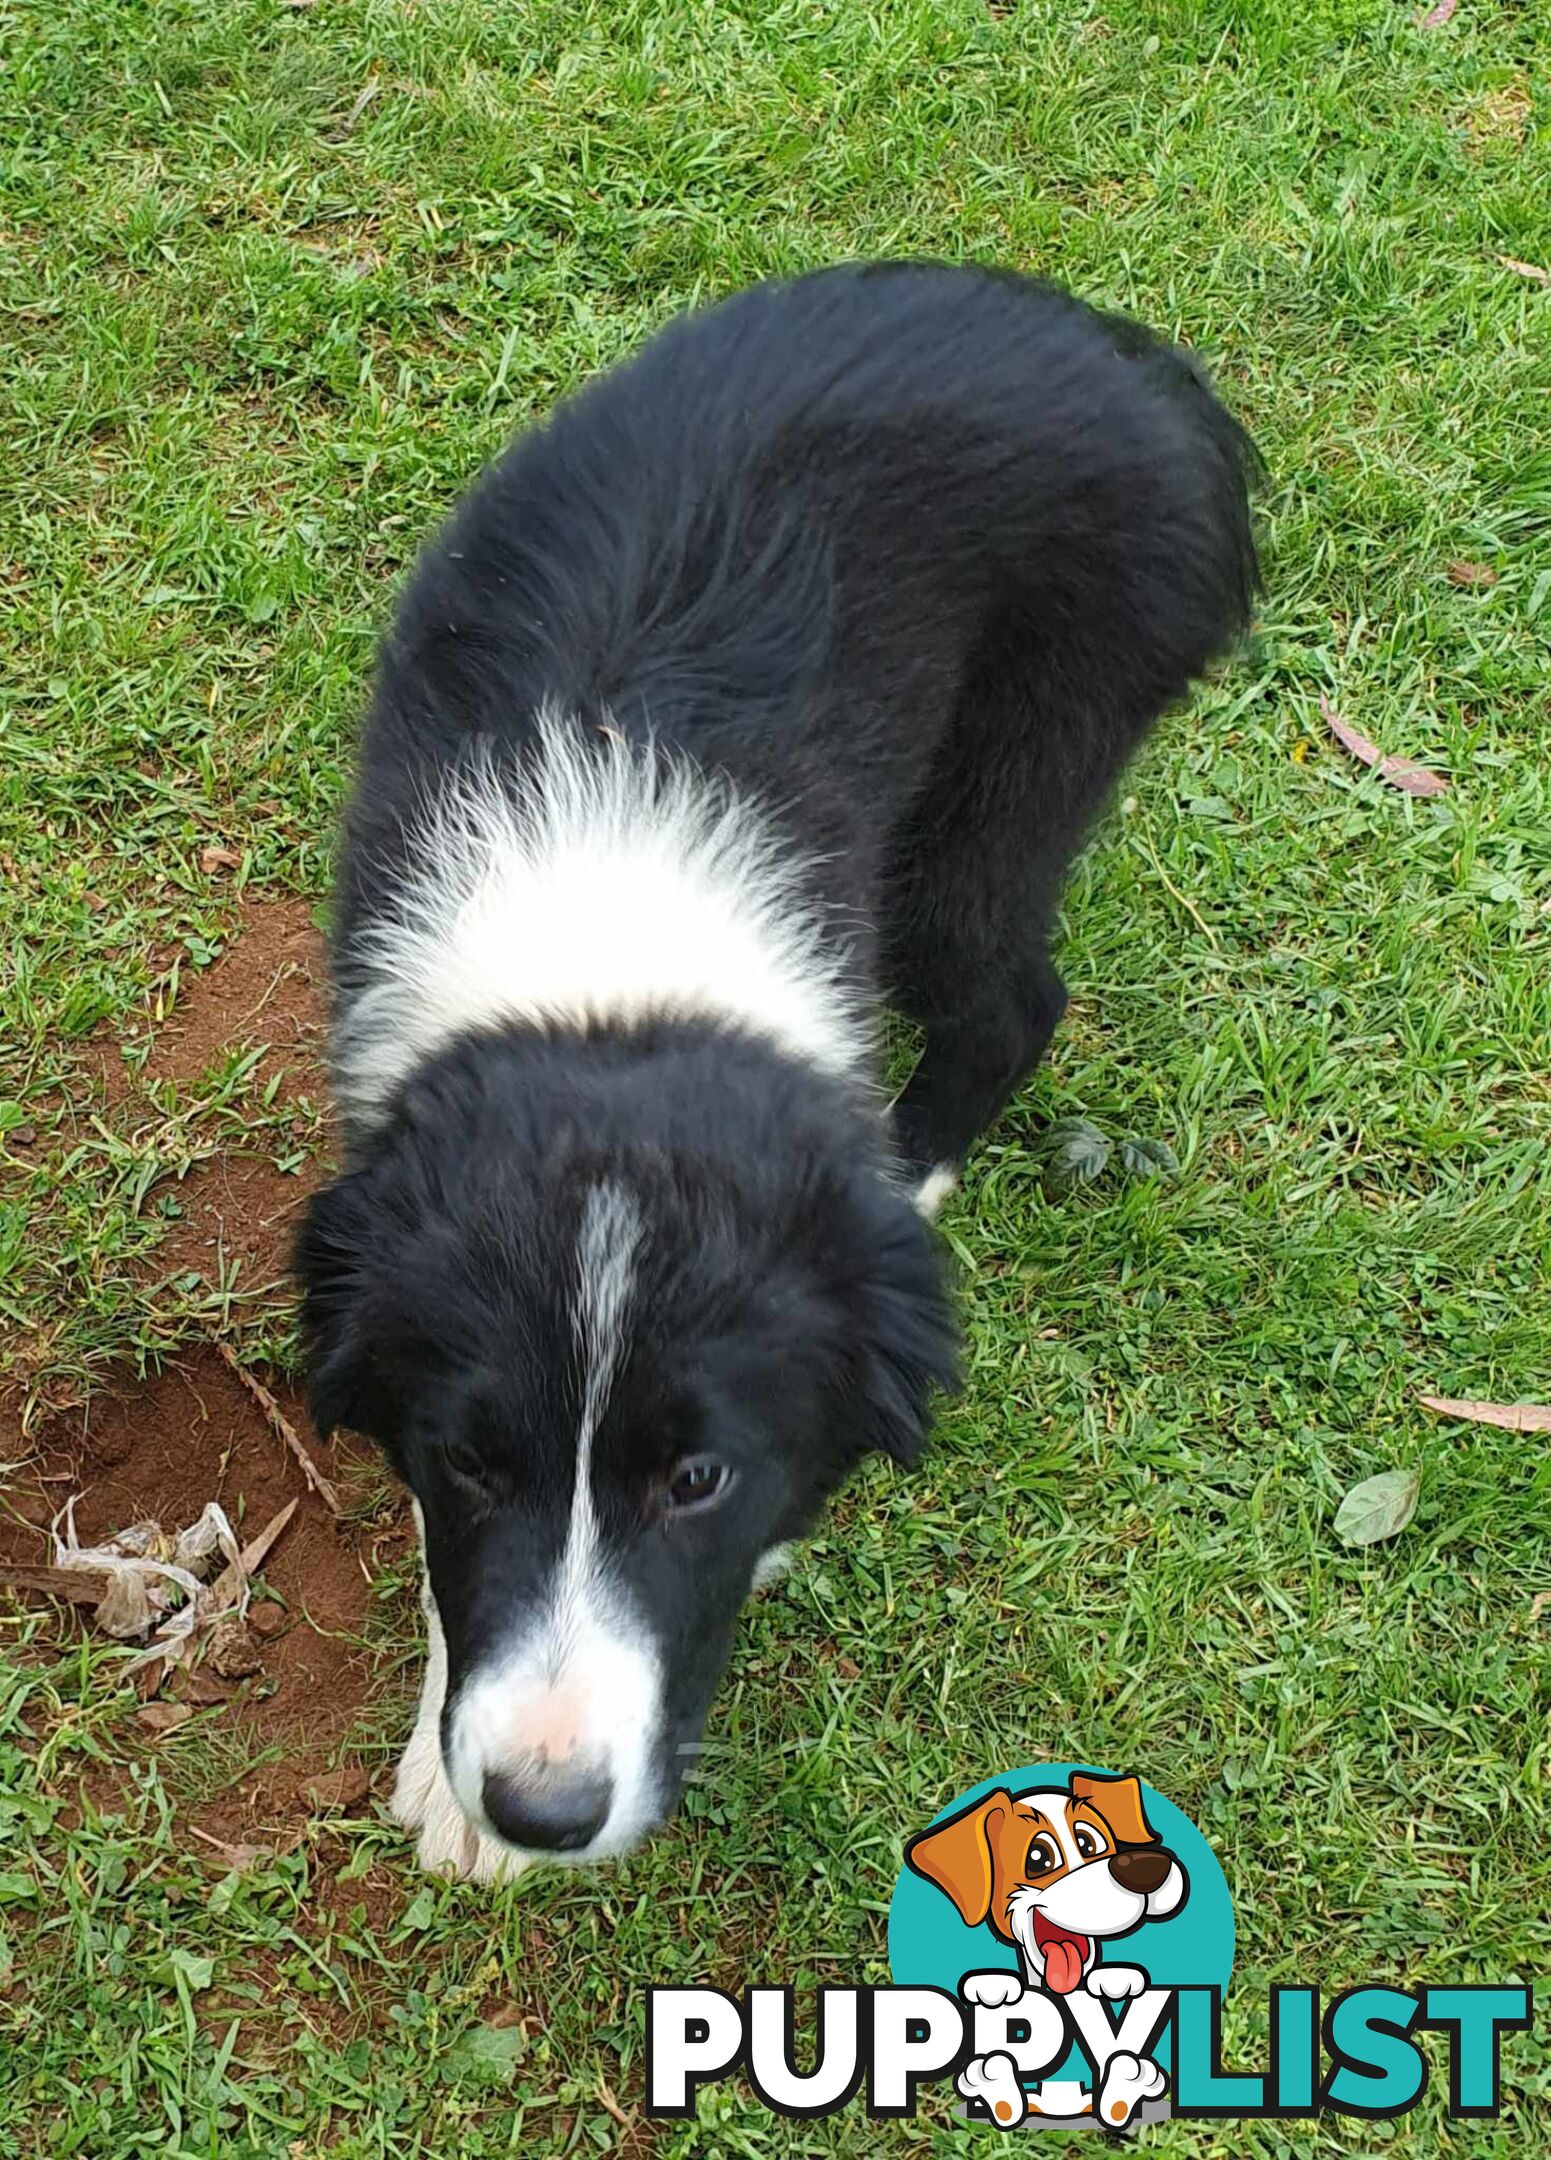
915	555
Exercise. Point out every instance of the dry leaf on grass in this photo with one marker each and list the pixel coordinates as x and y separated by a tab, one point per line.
1436	17
1538	1604
1398	771
164	1717
1510	1416
1525	269
1471	573
216	857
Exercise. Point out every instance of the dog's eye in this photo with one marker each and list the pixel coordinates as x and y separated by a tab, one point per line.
696	1483
466	1462
1044	1854
1088	1841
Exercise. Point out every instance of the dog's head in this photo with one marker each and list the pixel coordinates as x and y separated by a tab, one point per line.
1055	1872
618	1351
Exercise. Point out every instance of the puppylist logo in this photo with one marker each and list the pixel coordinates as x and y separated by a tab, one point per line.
1060	1942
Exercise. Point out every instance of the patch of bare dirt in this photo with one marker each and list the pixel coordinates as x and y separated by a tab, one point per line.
266	987
239	1215
162	1450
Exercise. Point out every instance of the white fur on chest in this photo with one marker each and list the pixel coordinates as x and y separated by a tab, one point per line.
595	880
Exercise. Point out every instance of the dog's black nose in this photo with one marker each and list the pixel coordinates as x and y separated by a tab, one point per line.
1142	1870
549	1812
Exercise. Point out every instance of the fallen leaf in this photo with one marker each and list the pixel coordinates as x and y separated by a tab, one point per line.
1398	771
163	1717
1538	1604
1471	573
1380	1507
1435	18
22	1135
219	858
341	1788
1525	269
233	1579
1511	1416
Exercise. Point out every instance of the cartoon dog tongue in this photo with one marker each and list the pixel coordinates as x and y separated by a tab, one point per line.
1065	1955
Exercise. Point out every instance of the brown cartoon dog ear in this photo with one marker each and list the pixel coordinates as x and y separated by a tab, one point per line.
1119	1801
956	1856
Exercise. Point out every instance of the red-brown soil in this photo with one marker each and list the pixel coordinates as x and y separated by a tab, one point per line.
163	1450
164	1447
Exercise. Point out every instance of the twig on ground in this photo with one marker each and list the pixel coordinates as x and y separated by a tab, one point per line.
281	1425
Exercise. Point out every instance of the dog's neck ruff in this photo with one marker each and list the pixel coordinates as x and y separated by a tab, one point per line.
593	881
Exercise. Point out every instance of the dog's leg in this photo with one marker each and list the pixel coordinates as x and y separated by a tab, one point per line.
422	1798
973	1061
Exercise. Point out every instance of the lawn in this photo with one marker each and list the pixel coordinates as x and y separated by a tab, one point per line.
279	275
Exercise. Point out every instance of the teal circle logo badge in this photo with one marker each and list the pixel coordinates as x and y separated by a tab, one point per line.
1063	1905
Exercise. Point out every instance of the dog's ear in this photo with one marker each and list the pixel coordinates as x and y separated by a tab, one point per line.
903	1338
328	1260
1119	1801
957	1856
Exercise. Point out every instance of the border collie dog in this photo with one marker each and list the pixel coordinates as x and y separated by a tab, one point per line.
778	675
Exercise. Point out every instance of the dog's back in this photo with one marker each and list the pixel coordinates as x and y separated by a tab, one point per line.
782	533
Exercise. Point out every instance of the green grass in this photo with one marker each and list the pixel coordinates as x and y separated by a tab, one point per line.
263	326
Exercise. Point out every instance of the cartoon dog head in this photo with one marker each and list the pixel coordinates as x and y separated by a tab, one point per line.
1055	1873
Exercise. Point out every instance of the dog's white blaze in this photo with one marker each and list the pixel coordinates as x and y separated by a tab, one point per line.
593	879
584	1682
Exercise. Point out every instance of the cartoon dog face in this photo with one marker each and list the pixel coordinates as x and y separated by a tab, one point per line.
1055	1873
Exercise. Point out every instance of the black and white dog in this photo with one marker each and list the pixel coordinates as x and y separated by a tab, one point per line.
779	674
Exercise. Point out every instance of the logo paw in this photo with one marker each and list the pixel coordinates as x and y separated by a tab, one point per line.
994	2080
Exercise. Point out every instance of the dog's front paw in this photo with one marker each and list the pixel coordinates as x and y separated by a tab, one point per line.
1116	1983
420	1774
451	1845
1128	2081
991	1990
994	2079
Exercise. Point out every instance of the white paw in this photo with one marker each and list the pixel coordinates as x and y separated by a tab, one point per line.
1128	2081
451	1845
772	1565
1116	1983
991	1990
934	1189
994	2079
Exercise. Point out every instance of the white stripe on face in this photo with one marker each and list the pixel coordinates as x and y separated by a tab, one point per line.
581	1687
